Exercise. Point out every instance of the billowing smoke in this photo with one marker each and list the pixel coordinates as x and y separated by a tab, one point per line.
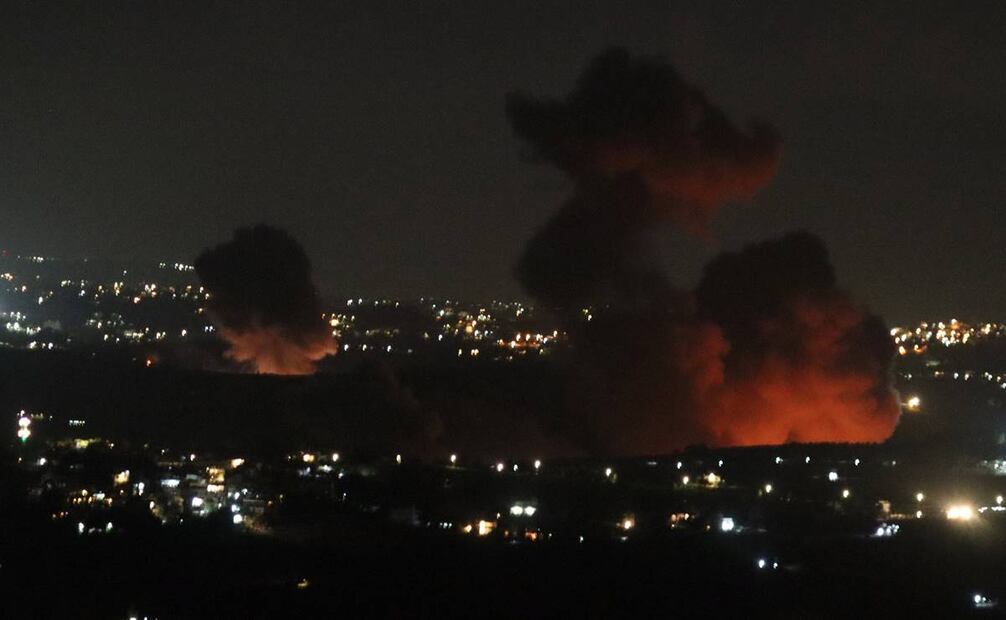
767	350
804	362
264	303
642	146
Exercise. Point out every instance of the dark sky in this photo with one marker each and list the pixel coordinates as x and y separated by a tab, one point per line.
374	132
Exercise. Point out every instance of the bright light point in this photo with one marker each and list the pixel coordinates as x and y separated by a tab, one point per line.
913	403
537	464
720	463
679	464
919	497
235	463
454	459
856	462
80	528
918	514
685	479
197	502
778	460
607	472
237	519
761	563
727	524
768	488
845	493
24	422
515	467
628	523
977	599
499	467
960	512
832	476
530	510
398	459
999	499
335	457
807	460
517	510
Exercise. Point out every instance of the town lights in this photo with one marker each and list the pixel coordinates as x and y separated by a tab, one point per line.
768	488
960	512
727	524
519	510
832	476
627	523
499	467
23	432
762	563
980	601
846	493
919	496
913	403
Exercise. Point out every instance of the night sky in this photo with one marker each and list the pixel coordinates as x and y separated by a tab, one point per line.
375	133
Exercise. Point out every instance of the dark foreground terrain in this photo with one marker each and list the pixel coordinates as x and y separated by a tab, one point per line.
198	571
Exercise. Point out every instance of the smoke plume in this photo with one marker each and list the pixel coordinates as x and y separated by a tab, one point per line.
766	350
264	303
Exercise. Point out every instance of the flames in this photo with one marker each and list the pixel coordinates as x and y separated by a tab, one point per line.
264	302
766	350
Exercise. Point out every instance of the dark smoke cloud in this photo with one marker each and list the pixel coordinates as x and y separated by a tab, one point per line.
264	302
636	117
805	363
767	350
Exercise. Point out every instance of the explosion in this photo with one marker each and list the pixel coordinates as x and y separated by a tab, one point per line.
804	362
766	350
264	303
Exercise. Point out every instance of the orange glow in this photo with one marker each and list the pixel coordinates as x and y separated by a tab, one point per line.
271	351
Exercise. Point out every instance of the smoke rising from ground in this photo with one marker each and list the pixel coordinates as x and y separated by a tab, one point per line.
805	363
264	303
766	350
